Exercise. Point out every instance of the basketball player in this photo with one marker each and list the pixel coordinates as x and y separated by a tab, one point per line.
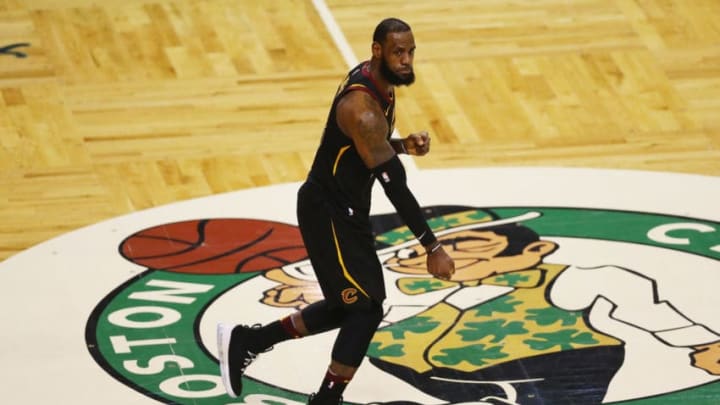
333	214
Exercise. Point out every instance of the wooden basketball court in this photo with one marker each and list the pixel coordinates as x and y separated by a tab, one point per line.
111	107
137	103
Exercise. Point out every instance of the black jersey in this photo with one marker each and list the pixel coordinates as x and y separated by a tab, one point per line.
337	167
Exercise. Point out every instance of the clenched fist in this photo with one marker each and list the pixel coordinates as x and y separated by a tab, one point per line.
439	263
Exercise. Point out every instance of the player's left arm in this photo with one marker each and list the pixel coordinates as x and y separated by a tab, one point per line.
361	118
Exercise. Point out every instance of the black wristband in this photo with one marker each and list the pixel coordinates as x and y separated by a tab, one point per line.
398	146
432	248
392	177
428	238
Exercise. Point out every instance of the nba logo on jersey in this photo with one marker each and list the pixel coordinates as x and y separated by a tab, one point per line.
385	177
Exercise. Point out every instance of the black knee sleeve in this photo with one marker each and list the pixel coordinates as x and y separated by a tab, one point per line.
319	317
355	334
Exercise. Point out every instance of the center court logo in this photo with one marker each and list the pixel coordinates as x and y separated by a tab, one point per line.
593	298
539	293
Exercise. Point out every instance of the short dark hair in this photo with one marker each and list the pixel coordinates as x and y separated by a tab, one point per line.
387	26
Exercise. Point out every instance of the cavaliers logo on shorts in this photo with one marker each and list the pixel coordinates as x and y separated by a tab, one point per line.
349	295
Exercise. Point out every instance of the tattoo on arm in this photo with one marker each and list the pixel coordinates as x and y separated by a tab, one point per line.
360	117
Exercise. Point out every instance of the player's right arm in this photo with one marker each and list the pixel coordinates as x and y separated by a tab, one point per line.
359	116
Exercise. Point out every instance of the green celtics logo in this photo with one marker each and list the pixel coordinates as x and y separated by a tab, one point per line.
548	305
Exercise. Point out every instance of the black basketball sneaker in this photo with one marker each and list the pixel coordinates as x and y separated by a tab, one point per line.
234	355
315	400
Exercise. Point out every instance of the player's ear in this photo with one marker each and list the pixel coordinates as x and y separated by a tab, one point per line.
376	50
541	248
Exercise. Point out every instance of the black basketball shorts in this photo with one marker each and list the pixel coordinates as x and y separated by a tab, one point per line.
341	248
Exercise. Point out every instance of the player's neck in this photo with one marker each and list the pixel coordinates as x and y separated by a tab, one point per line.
380	81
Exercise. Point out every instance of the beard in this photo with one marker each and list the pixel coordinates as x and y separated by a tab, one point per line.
394	78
